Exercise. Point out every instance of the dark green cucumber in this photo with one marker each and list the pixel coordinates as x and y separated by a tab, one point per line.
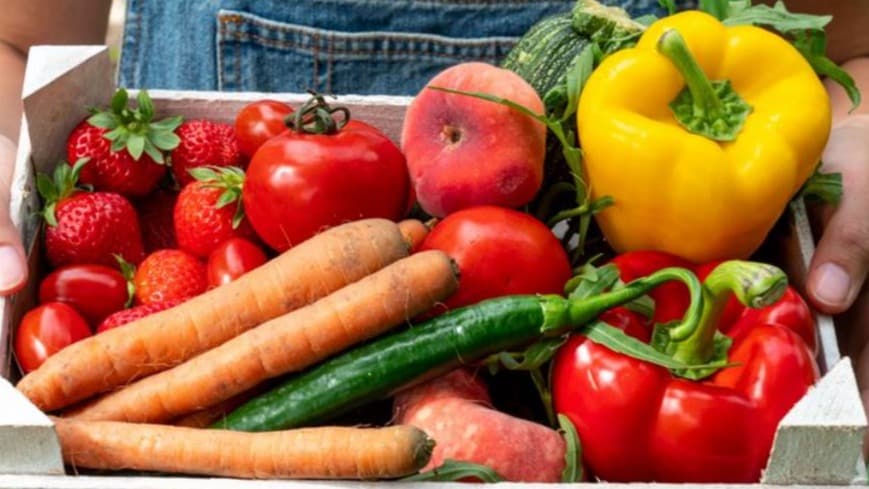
381	367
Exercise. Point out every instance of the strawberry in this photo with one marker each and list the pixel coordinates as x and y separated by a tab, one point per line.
204	143
125	316
86	227
155	218
205	215
167	275
124	146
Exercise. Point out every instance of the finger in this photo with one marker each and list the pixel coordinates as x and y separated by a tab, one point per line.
841	261
13	264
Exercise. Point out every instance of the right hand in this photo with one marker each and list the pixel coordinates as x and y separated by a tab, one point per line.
13	264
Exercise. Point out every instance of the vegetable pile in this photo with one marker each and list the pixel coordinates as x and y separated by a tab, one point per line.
547	276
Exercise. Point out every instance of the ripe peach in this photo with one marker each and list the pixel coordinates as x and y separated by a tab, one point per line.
463	151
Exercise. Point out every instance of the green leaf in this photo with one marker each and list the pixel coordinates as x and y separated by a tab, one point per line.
49	214
136	145
779	18
46	188
823	187
119	101
644	306
573	453
165	140
145	105
226	198
531	358
670	5
813	46
168	124
204	174
717	8
646	20
153	152
575	81
118	135
239	214
453	470
592	281
104	120
619	342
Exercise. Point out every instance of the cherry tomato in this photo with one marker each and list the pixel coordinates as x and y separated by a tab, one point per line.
298	184
259	121
95	291
499	252
45	330
232	259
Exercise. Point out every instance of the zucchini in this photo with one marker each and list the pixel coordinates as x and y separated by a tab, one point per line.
379	368
549	49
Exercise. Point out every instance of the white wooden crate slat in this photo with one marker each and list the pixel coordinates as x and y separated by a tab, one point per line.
825	427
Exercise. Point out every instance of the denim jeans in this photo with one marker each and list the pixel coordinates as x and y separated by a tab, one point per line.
332	46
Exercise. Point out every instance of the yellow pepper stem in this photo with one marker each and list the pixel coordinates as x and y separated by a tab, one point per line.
709	108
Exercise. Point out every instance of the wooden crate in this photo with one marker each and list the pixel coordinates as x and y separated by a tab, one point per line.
818	443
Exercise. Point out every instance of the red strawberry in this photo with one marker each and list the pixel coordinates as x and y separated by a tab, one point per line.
87	227
125	316
155	218
124	146
167	275
204	143
209	212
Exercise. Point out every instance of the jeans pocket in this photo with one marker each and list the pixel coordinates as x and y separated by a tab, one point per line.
258	54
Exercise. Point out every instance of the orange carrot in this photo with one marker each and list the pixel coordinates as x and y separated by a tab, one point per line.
289	343
414	232
298	277
307	453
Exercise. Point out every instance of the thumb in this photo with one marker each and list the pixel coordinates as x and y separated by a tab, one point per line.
841	261
13	266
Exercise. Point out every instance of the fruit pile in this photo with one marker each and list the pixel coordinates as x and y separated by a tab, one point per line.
285	273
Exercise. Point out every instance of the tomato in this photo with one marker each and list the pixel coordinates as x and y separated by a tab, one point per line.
45	330
298	183
95	291
232	259
499	251
259	121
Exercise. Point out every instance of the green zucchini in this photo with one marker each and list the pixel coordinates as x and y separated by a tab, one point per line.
379	368
549	49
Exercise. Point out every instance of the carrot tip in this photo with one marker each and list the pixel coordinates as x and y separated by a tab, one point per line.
424	450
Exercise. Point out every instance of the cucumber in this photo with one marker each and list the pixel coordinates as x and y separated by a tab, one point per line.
379	368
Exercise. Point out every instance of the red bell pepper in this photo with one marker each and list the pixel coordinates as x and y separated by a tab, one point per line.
641	422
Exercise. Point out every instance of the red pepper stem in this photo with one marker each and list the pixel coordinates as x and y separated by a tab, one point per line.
754	284
582	311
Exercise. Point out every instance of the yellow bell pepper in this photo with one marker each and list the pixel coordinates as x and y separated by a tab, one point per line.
702	170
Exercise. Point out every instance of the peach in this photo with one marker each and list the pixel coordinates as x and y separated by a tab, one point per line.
463	151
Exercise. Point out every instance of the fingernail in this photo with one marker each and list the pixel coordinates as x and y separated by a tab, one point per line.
11	268
832	285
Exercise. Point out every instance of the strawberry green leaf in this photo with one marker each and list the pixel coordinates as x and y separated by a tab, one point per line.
119	101
203	174
136	145
146	106
239	214
168	124
103	120
49	215
226	198
46	188
154	152
165	140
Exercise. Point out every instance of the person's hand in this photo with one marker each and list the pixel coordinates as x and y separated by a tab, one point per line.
13	267
837	275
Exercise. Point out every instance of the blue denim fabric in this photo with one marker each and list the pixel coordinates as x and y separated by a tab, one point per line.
333	46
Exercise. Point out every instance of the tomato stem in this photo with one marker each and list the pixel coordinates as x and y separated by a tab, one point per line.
316	116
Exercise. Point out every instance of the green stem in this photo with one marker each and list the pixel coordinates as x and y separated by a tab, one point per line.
706	101
316	116
582	311
756	285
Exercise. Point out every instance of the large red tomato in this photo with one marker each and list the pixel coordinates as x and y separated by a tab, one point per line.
259	121
298	184
45	330
499	252
95	291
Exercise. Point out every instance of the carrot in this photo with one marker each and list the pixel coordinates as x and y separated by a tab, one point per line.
288	343
414	232
299	276
307	453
